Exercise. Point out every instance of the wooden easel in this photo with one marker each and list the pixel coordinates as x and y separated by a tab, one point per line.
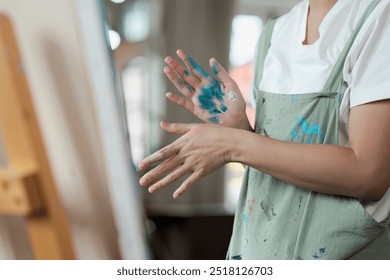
27	187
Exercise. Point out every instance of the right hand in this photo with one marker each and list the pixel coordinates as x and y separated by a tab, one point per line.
212	101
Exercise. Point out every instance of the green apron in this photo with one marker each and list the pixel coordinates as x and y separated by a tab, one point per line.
276	220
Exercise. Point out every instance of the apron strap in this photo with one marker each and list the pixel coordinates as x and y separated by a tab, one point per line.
262	50
336	78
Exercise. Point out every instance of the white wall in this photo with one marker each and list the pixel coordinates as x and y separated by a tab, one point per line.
53	54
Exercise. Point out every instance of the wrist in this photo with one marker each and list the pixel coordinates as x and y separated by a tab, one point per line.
234	144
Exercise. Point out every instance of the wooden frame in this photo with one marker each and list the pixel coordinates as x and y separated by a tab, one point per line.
27	187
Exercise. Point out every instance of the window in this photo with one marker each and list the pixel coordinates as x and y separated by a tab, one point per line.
135	80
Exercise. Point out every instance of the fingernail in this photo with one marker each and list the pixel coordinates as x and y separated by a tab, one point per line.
142	181
164	123
167	59
175	195
166	69
150	190
168	94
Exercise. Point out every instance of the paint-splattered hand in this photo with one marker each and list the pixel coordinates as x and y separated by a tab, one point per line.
211	100
200	150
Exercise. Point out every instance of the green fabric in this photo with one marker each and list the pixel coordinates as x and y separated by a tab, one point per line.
276	220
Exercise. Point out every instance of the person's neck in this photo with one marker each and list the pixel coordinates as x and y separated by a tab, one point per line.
322	6
318	9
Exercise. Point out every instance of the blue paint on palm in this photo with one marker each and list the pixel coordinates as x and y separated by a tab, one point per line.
211	96
214	119
208	97
186	73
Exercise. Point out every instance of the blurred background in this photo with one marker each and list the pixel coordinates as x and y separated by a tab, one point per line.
92	70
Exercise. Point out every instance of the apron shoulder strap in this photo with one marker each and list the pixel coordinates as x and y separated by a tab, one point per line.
335	79
262	50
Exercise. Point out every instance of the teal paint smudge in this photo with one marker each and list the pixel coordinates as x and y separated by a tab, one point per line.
214	119
246	218
321	253
215	69
210	93
208	96
294	99
189	88
186	73
238	258
304	128
197	67
180	81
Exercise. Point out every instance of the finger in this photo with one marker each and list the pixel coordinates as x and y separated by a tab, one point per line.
177	128
181	101
158	156
187	184
220	72
155	174
178	82
169	179
194	67
183	73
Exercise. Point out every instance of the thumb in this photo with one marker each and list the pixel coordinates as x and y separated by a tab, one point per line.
221	73
176	128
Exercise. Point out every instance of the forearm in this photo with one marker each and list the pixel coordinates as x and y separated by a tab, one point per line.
326	169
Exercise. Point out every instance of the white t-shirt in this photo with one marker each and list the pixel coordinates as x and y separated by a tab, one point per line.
289	66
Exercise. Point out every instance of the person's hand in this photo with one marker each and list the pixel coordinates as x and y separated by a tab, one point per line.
201	150
213	101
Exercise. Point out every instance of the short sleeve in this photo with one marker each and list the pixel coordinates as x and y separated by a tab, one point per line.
367	69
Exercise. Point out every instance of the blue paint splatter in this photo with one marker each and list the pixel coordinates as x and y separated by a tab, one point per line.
186	73
214	119
208	96
239	257
307	129
197	67
246	218
189	88
215	68
294	99
211	94
321	253
179	81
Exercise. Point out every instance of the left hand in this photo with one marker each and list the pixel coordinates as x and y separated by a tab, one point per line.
217	101
201	150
